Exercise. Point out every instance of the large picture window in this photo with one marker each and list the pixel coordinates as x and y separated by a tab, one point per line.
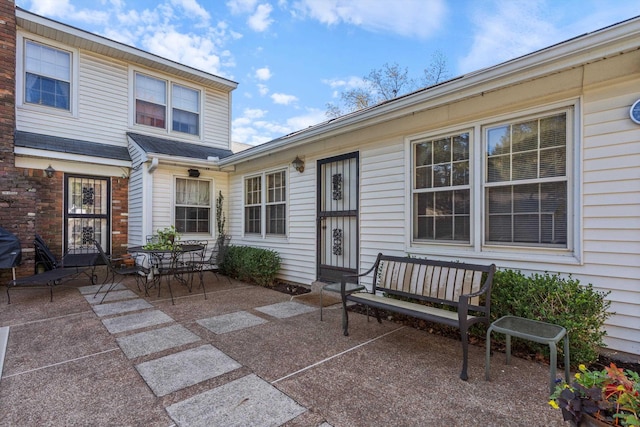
441	190
265	204
47	76
526	182
193	206
505	183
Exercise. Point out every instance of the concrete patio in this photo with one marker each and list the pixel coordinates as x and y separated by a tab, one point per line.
245	356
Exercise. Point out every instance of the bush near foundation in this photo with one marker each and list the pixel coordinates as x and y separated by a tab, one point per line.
249	264
551	298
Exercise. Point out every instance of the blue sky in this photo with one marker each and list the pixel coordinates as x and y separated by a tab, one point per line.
293	57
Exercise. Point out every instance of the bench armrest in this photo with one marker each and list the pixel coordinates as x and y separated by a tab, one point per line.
343	281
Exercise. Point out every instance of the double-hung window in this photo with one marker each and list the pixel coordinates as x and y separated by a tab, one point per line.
441	190
154	104
151	101
193	205
47	76
526	182
265	204
518	195
186	110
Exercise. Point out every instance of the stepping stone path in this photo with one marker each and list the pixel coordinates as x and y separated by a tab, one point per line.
249	400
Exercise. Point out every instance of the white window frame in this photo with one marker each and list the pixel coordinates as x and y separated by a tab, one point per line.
210	206
21	103
478	248
169	84
264	203
434	189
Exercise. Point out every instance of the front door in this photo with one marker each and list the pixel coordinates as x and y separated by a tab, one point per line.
87	211
338	182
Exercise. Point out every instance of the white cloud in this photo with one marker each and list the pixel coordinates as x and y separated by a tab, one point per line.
241	6
254	113
409	18
189	49
64	9
283	98
263	73
263	89
261	20
508	30
192	8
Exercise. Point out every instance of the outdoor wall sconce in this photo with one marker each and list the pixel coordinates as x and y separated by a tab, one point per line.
298	164
194	173
49	171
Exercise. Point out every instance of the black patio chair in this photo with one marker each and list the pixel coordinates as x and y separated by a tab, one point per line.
212	263
118	273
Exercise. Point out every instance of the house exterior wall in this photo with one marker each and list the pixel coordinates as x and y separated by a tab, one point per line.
103	111
605	179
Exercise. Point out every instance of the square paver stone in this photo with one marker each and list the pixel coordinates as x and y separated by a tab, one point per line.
85	290
156	340
130	322
282	310
186	368
247	401
231	322
113	295
102	310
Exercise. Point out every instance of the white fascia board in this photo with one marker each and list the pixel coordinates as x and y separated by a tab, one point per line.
576	52
85	40
46	154
182	161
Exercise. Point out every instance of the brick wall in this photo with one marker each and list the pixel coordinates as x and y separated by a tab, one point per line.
30	202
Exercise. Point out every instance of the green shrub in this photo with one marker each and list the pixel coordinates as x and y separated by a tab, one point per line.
554	299
253	265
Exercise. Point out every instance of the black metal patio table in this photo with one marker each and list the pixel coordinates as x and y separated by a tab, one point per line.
166	262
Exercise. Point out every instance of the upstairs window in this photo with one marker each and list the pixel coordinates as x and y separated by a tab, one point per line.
47	76
156	106
151	101
193	206
186	110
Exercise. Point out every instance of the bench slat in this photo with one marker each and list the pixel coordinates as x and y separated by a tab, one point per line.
418	308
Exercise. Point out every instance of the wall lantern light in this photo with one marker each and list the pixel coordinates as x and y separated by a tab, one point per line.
49	171
298	164
194	173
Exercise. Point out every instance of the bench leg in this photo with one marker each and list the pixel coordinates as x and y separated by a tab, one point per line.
553	361
345	318
465	353
566	359
375	310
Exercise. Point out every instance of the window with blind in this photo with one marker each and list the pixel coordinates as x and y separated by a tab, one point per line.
186	110
518	196
193	206
441	189
151	101
47	76
265	204
155	105
526	182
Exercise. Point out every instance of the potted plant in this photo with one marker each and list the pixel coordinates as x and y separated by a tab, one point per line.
165	239
600	398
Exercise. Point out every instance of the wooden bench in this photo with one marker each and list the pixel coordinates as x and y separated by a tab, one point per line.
459	294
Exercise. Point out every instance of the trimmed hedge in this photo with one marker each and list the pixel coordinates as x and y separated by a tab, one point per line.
249	264
551	298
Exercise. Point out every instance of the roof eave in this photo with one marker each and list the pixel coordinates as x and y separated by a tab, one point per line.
92	42
619	38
